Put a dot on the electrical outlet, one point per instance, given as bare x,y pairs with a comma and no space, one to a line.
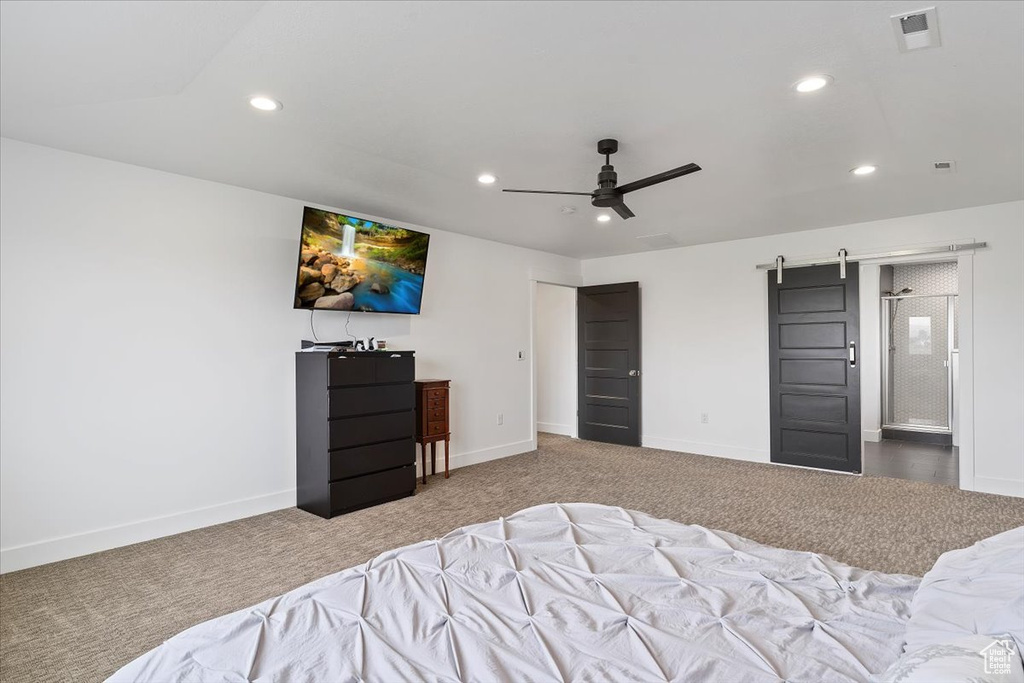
501,419
704,419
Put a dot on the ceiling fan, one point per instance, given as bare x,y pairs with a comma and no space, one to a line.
607,195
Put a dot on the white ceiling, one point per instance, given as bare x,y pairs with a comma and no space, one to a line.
394,108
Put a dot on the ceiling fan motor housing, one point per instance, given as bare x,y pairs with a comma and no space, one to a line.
606,196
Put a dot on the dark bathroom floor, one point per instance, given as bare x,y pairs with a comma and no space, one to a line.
914,461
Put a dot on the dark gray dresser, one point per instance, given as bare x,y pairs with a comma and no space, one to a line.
355,421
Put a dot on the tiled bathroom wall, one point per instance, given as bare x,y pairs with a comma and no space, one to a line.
918,386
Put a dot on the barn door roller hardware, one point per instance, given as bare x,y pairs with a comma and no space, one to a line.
842,256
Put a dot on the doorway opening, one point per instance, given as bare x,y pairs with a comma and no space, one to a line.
919,374
555,359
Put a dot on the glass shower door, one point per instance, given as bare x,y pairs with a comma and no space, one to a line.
920,341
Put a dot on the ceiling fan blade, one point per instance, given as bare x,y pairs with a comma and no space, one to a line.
658,178
623,211
582,194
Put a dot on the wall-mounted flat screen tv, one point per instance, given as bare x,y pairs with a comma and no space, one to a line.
353,264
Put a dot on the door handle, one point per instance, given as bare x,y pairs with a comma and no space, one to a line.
634,373
853,354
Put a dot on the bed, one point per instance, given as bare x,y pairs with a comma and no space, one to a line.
561,592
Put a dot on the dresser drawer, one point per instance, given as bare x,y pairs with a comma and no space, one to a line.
435,404
372,368
349,370
353,462
395,368
371,488
358,431
437,394
373,399
435,428
437,414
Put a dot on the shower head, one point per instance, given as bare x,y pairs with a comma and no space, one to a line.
905,290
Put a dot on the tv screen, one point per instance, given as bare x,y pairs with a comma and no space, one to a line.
352,264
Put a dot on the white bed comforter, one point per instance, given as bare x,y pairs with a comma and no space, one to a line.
561,592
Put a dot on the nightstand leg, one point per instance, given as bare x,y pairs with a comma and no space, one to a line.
433,457
423,457
446,458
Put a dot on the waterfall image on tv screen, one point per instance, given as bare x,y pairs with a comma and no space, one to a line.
353,264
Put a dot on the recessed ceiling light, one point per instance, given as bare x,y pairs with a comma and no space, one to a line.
486,179
265,103
603,217
864,170
812,83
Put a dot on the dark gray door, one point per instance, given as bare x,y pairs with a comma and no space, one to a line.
814,346
609,363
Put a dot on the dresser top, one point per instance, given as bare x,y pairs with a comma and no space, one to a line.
433,381
353,352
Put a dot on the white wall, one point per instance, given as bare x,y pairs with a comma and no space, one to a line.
705,333
555,357
147,334
146,350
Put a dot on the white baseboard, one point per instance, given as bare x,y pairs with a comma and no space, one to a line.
553,428
697,448
1001,487
63,548
66,547
476,457
873,435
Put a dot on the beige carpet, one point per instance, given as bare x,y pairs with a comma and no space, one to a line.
82,619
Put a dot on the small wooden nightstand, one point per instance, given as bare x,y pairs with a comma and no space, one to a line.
432,424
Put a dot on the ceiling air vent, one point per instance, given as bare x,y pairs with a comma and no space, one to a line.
917,30
659,241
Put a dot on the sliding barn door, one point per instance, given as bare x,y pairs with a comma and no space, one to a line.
609,363
814,346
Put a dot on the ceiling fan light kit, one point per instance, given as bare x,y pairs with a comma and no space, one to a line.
608,194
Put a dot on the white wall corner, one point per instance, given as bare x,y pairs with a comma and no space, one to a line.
552,428
873,435
557,277
76,545
965,421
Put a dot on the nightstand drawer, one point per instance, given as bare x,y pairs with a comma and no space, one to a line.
357,431
435,428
